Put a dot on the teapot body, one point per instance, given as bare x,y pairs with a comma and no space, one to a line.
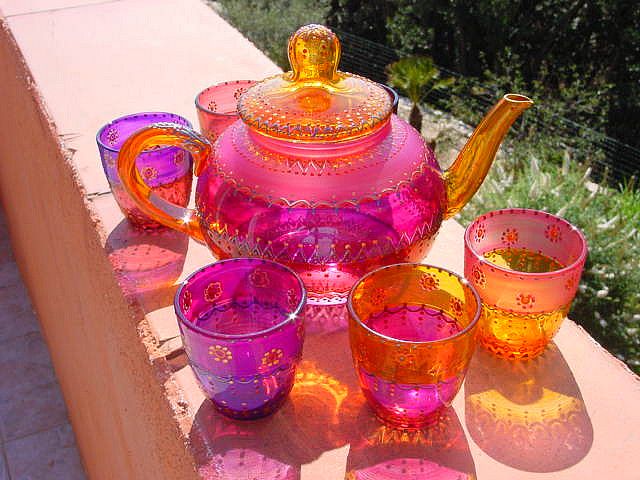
330,211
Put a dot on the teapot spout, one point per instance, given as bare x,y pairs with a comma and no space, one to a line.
467,173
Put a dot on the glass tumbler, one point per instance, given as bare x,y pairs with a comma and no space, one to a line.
526,266
166,170
242,328
412,334
218,106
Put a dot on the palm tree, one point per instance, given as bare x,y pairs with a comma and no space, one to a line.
415,77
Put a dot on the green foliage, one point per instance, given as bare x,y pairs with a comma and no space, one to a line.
364,18
269,23
608,302
464,102
553,42
416,77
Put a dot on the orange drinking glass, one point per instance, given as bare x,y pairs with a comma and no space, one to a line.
412,333
526,266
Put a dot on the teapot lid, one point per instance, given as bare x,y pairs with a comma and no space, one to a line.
315,101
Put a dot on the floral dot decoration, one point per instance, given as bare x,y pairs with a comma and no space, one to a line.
456,307
553,233
178,158
510,236
220,353
259,278
186,300
478,277
481,232
149,173
428,282
525,300
112,136
292,298
239,92
213,291
272,357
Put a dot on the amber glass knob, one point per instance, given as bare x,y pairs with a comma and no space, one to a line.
314,54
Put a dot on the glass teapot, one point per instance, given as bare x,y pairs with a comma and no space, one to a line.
319,174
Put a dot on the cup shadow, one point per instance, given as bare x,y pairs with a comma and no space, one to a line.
317,417
324,411
528,415
439,452
147,262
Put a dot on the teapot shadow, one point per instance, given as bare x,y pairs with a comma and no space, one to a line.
147,262
528,415
325,318
439,452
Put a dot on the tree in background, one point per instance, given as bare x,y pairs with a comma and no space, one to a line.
554,44
415,77
269,23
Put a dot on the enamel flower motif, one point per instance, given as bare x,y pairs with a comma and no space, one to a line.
428,282
149,173
220,353
510,236
553,233
259,278
186,300
478,277
272,357
213,291
525,300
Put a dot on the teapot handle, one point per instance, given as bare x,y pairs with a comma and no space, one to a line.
163,134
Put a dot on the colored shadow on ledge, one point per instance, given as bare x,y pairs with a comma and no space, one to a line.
439,452
326,411
147,262
528,415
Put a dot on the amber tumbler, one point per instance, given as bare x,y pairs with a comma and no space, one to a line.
526,266
412,333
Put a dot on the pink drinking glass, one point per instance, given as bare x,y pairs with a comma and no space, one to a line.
412,334
526,266
242,328
218,106
166,170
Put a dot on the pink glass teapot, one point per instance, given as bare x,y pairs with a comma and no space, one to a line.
318,174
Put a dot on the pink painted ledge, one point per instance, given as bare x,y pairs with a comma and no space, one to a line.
571,414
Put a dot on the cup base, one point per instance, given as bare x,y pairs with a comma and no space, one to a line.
518,336
254,414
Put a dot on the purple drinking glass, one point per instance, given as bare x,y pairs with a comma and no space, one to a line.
242,328
412,334
218,106
166,170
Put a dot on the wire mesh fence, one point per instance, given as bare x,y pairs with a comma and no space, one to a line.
613,159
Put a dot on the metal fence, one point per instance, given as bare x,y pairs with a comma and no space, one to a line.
619,160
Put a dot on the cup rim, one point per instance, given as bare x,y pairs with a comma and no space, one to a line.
217,85
225,336
461,279
539,275
101,144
